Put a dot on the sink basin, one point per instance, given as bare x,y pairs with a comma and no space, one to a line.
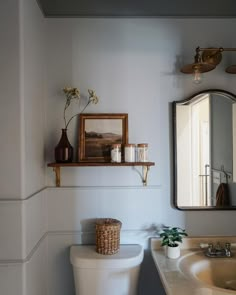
214,272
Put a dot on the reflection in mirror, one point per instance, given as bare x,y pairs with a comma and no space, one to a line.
204,144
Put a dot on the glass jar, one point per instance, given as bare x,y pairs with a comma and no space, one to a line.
142,152
130,152
116,153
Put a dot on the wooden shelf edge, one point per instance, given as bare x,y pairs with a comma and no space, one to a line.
99,164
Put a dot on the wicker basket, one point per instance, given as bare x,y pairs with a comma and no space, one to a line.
108,236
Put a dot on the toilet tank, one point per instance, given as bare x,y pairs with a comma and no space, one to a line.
97,274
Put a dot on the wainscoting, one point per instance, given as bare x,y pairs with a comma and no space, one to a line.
35,245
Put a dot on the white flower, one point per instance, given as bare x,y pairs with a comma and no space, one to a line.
92,96
74,93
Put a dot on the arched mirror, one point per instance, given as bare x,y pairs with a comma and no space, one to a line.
204,129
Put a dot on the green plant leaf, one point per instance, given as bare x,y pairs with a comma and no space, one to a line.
172,236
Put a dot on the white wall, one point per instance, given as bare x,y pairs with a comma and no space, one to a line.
10,115
22,173
133,64
33,105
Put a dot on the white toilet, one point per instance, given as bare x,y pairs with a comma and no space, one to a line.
97,274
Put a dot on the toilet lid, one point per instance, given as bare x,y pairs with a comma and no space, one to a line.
85,256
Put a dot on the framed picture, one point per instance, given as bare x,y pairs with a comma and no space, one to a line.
97,132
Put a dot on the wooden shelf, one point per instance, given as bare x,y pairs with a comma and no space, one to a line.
84,164
57,166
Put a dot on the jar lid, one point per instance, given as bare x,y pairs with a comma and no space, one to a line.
130,145
143,145
116,145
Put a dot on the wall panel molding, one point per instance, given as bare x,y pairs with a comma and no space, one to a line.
22,225
141,237
22,199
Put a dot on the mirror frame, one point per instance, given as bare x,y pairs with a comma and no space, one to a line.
192,98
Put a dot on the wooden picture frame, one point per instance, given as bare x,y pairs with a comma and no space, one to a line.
97,132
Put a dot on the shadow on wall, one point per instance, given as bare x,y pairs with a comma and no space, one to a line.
88,231
149,281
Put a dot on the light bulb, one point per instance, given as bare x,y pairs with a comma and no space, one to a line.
197,76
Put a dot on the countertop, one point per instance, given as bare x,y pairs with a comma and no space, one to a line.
173,280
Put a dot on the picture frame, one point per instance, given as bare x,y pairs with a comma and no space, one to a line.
97,132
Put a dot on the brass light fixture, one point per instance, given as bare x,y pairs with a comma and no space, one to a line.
205,60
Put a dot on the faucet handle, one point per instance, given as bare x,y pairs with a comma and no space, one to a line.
204,245
210,248
228,252
227,246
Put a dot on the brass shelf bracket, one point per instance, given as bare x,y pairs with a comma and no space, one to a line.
57,171
145,170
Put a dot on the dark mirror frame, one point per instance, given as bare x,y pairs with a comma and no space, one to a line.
192,98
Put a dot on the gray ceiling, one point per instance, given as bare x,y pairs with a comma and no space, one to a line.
138,8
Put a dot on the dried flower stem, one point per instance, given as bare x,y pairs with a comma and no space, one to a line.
74,93
65,117
76,114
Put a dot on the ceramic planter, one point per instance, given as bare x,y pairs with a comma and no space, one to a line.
173,252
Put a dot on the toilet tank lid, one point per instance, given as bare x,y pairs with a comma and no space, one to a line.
85,256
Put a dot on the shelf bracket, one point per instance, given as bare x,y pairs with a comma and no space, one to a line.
145,170
57,171
136,165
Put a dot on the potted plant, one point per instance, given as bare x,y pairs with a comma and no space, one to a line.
171,238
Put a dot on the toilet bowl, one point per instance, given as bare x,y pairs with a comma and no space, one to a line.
97,274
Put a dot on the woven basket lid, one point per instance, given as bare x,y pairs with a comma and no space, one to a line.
108,221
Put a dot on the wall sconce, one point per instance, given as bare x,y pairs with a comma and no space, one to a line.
205,60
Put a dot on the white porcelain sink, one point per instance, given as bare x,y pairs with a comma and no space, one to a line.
214,272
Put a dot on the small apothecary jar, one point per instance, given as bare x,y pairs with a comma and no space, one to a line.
142,152
116,153
129,152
